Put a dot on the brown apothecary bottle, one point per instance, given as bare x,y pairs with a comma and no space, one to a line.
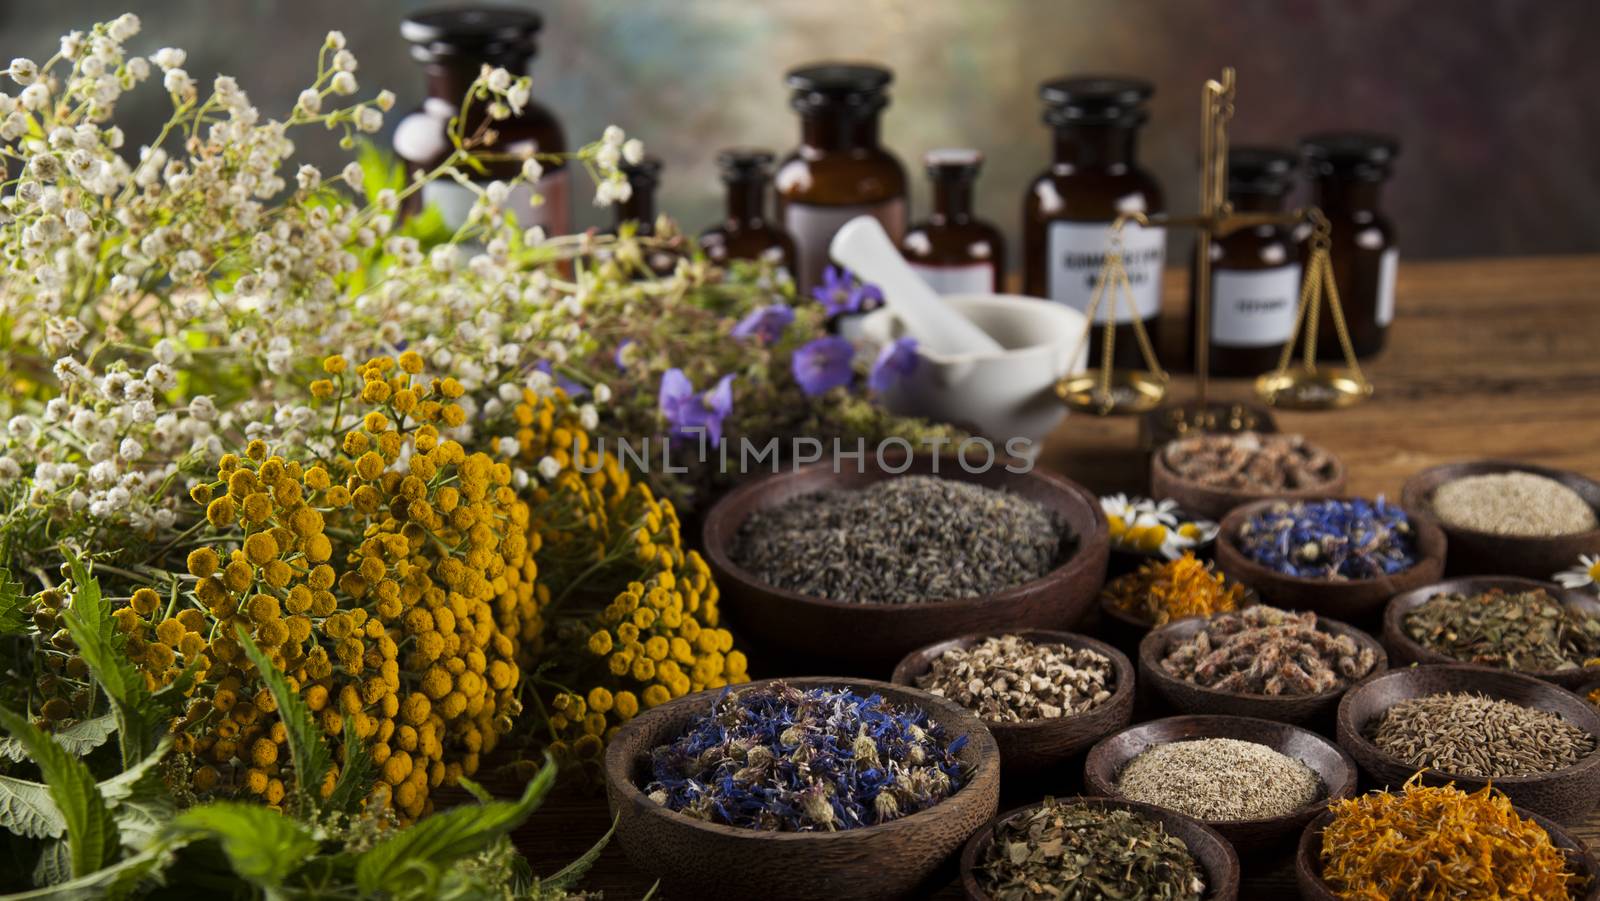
953,250
746,231
453,45
644,178
1347,171
840,170
1255,271
1068,210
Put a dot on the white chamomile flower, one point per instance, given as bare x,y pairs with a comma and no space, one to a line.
1585,574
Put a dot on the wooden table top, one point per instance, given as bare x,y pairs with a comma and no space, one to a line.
1486,358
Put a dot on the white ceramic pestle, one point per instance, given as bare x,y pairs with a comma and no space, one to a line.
863,247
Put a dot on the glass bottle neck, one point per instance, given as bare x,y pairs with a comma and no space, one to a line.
747,201
836,130
640,207
1347,194
1095,146
952,200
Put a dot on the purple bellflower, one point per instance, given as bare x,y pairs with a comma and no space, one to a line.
897,360
690,413
767,323
823,364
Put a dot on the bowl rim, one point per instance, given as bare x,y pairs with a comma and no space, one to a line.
1413,496
1341,473
1240,514
1147,655
980,739
984,836
1121,666
1399,606
1356,735
1221,721
1081,558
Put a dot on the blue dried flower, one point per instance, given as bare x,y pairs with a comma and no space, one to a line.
1334,539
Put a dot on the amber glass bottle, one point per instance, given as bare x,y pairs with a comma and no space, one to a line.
1347,171
1068,210
453,45
1255,271
644,177
747,232
954,251
840,170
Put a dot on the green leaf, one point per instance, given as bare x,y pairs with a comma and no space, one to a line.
138,730
140,799
54,865
445,838
91,831
87,602
117,881
26,809
306,747
354,774
569,875
477,791
13,618
263,846
379,170
79,738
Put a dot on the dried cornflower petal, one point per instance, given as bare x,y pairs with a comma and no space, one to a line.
1475,735
1524,630
1161,592
1009,679
1334,539
1073,851
1251,461
1262,650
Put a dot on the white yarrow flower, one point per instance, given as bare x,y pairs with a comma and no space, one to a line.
310,101
353,176
343,83
633,151
23,71
549,468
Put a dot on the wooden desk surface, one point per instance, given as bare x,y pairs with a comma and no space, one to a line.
1486,358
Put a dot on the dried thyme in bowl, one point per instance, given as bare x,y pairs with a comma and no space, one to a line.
1073,851
1262,650
1220,779
1470,734
904,540
1009,679
1524,630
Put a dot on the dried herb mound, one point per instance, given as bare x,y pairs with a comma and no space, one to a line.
1476,735
1262,650
1441,843
1250,461
1009,679
1524,630
1513,503
1220,779
1336,540
1070,851
1161,592
902,541
781,759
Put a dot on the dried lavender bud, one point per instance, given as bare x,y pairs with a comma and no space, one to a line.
1250,461
1009,679
1525,630
1070,851
902,541
777,758
1262,650
1475,735
1513,503
1334,540
1220,779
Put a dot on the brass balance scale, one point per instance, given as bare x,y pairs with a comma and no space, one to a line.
1111,391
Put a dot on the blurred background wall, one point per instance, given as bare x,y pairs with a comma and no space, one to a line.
1494,100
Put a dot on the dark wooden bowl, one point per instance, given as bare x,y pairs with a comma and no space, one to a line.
695,859
1355,600
1403,649
855,637
1211,851
1566,795
1308,859
1299,710
1215,503
1029,749
1484,553
1332,765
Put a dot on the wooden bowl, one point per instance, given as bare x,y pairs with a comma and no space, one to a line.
1566,795
1403,649
1032,748
1355,600
1213,853
1484,553
1332,765
696,859
857,637
1308,859
1300,710
1215,503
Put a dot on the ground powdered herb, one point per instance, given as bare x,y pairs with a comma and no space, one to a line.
1262,650
1465,734
1220,779
1071,851
1513,503
1335,540
902,541
1009,679
1173,589
1251,461
1434,844
1523,630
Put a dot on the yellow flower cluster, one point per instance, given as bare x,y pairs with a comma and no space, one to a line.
390,582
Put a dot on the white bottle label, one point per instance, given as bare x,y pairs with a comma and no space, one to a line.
965,278
1388,265
455,202
1077,253
1254,309
813,226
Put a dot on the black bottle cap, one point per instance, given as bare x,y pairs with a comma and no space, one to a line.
643,175
1095,100
952,163
744,163
1260,170
839,85
489,33
1363,155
